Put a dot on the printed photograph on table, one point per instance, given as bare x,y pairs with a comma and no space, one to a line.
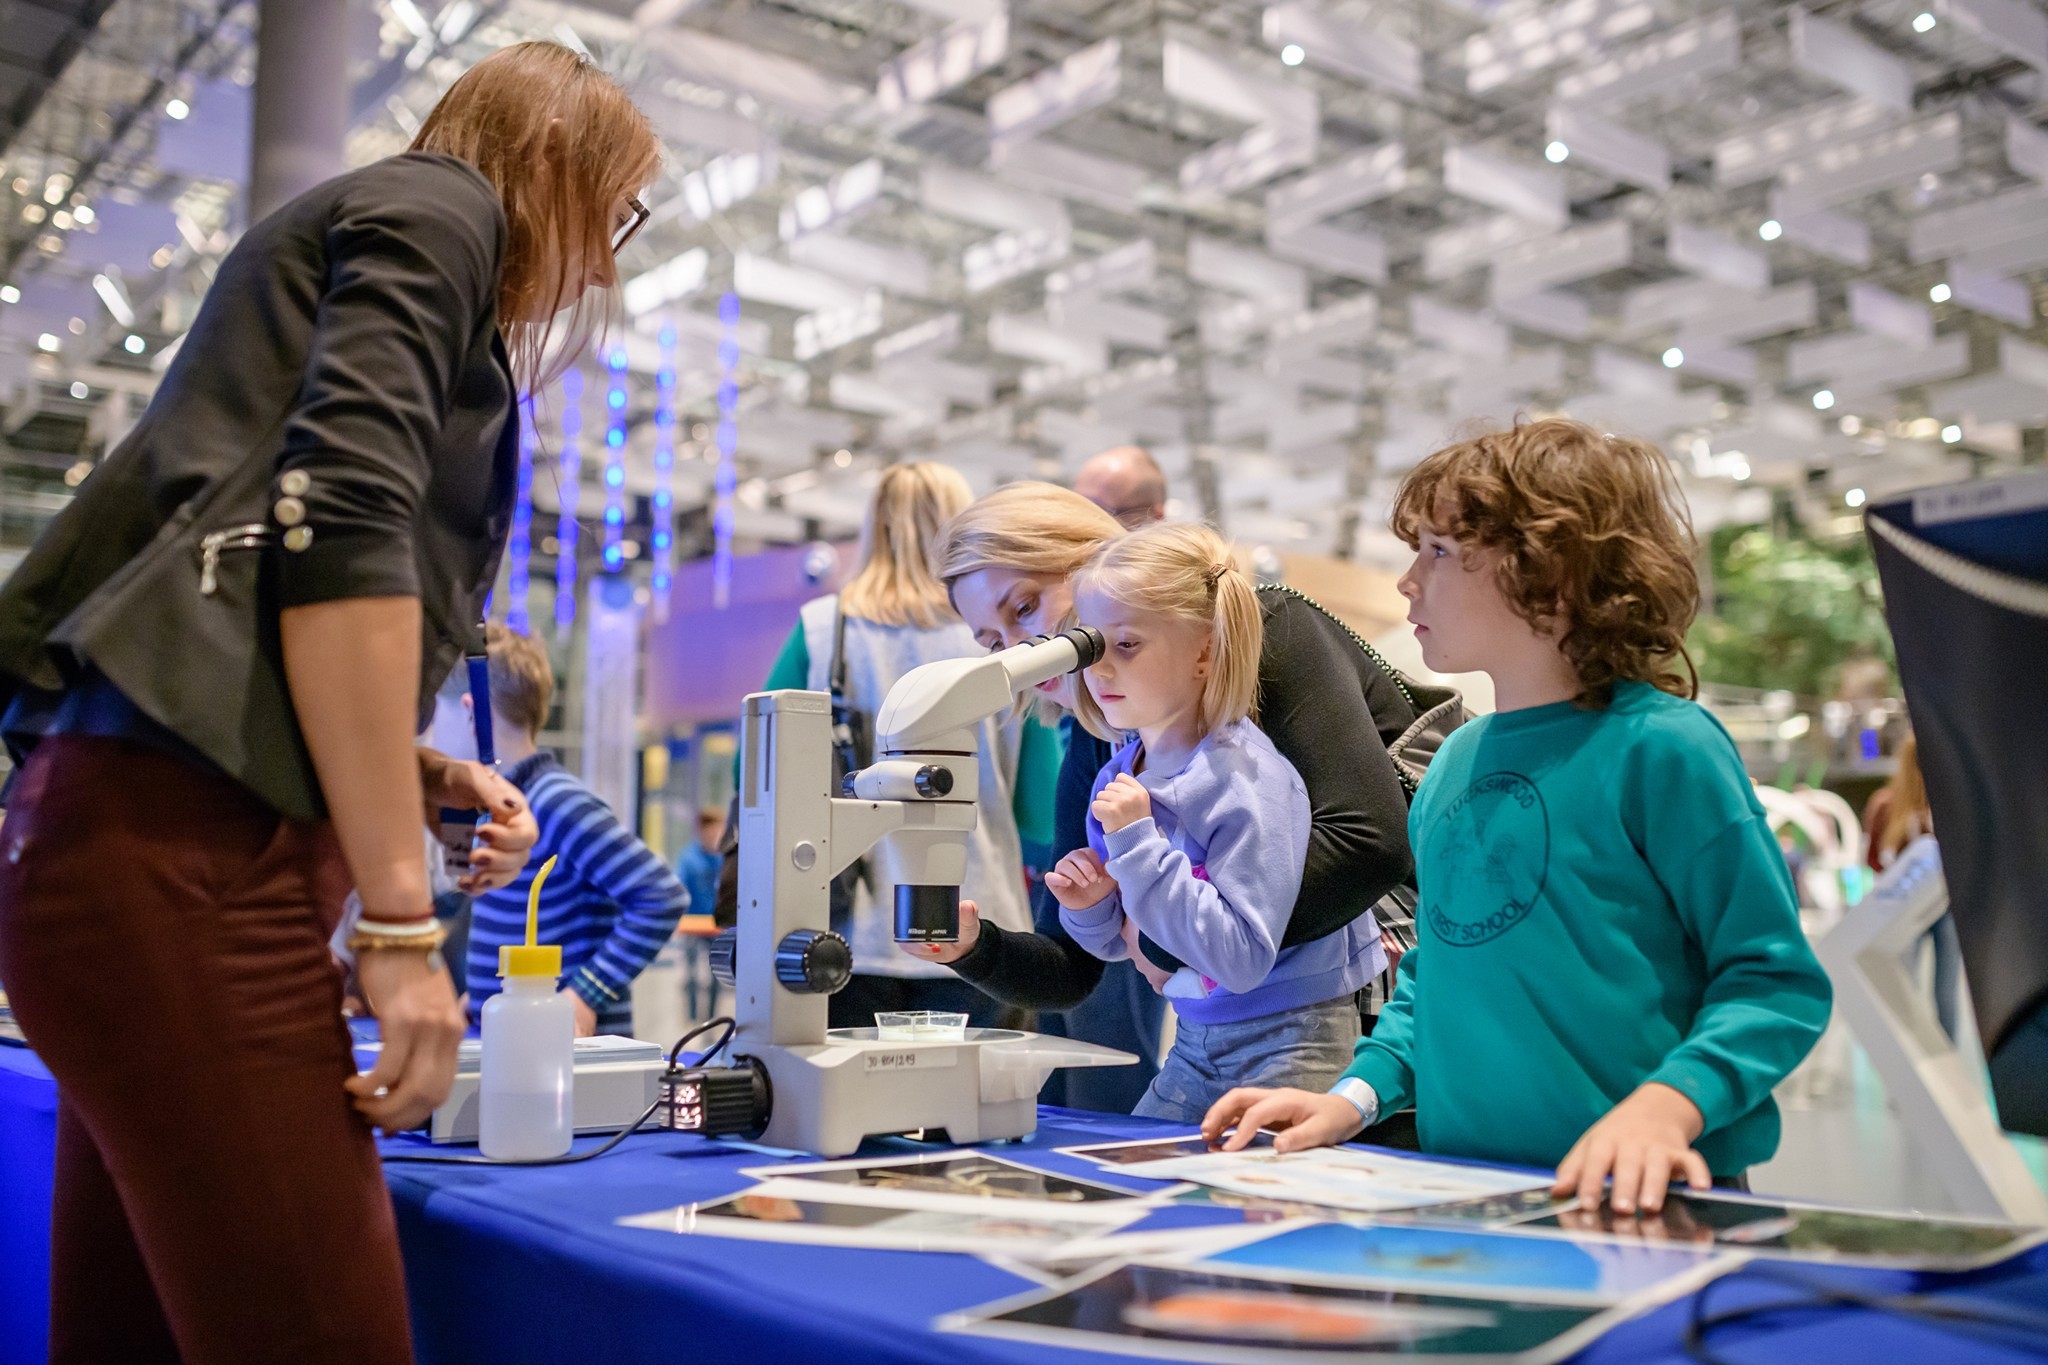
1344,1177
1194,1314
1791,1231
1410,1256
788,1211
966,1174
1143,1150
1493,1210
1259,1208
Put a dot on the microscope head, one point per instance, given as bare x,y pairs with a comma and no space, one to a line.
936,701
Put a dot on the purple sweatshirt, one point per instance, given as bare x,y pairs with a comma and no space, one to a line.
1212,877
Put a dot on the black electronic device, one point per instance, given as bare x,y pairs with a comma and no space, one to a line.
1965,574
716,1101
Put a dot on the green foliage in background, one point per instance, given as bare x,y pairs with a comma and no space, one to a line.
1788,611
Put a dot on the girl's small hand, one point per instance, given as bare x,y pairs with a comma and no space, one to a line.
1123,802
1080,881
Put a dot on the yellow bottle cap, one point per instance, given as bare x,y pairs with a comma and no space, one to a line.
531,958
515,959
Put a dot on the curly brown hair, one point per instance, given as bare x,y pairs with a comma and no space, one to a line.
1594,537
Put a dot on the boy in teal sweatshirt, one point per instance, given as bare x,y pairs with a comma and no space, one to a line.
1610,976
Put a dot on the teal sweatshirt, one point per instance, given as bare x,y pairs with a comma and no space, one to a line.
1602,904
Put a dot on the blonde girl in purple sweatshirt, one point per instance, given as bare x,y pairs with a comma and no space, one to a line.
1199,828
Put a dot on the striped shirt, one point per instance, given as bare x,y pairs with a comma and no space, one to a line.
610,903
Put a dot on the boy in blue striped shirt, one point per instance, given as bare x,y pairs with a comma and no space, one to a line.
610,903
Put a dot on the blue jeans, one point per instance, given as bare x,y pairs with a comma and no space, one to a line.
1307,1047
1123,1012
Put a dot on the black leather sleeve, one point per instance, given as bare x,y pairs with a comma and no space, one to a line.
1329,711
1046,970
412,272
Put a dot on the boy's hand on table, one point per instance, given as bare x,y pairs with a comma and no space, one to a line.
1080,882
945,954
1642,1142
1303,1119
1123,802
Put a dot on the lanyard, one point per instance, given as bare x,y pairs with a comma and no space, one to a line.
480,708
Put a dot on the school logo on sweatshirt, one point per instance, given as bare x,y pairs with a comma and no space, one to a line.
1485,860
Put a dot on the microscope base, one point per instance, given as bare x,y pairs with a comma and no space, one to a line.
830,1096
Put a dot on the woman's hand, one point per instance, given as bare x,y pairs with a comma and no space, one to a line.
1303,1118
1157,976
421,1025
506,837
948,953
1080,882
1123,802
1643,1142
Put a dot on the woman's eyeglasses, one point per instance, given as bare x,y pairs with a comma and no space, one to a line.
625,232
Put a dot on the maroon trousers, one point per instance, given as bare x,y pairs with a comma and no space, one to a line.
163,940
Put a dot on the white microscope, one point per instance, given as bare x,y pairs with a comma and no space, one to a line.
825,1090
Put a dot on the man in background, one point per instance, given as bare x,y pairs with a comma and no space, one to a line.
698,864
1127,483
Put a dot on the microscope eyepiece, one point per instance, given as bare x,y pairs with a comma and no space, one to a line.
1088,643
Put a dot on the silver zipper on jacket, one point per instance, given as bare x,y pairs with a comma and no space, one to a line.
252,536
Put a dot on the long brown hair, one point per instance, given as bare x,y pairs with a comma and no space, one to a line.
564,145
1595,540
895,584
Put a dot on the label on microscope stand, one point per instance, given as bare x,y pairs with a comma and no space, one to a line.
910,1059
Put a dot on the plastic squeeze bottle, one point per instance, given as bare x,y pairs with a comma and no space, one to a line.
527,1090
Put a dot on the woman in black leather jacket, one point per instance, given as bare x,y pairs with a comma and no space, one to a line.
212,665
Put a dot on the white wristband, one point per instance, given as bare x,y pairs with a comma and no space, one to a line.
1359,1096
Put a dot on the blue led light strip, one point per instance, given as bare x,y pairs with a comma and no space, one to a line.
615,464
665,472
519,554
571,464
728,443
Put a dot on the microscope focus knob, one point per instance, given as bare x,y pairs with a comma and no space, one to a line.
724,945
813,962
933,781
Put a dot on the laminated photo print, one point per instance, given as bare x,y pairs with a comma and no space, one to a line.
971,1175
1765,1227
1461,1260
1198,1313
1142,1150
794,1211
1357,1178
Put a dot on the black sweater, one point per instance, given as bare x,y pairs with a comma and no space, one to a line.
1331,711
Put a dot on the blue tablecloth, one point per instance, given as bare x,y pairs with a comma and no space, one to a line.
527,1265
28,1149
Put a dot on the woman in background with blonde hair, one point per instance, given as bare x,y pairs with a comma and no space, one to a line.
892,616
213,664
